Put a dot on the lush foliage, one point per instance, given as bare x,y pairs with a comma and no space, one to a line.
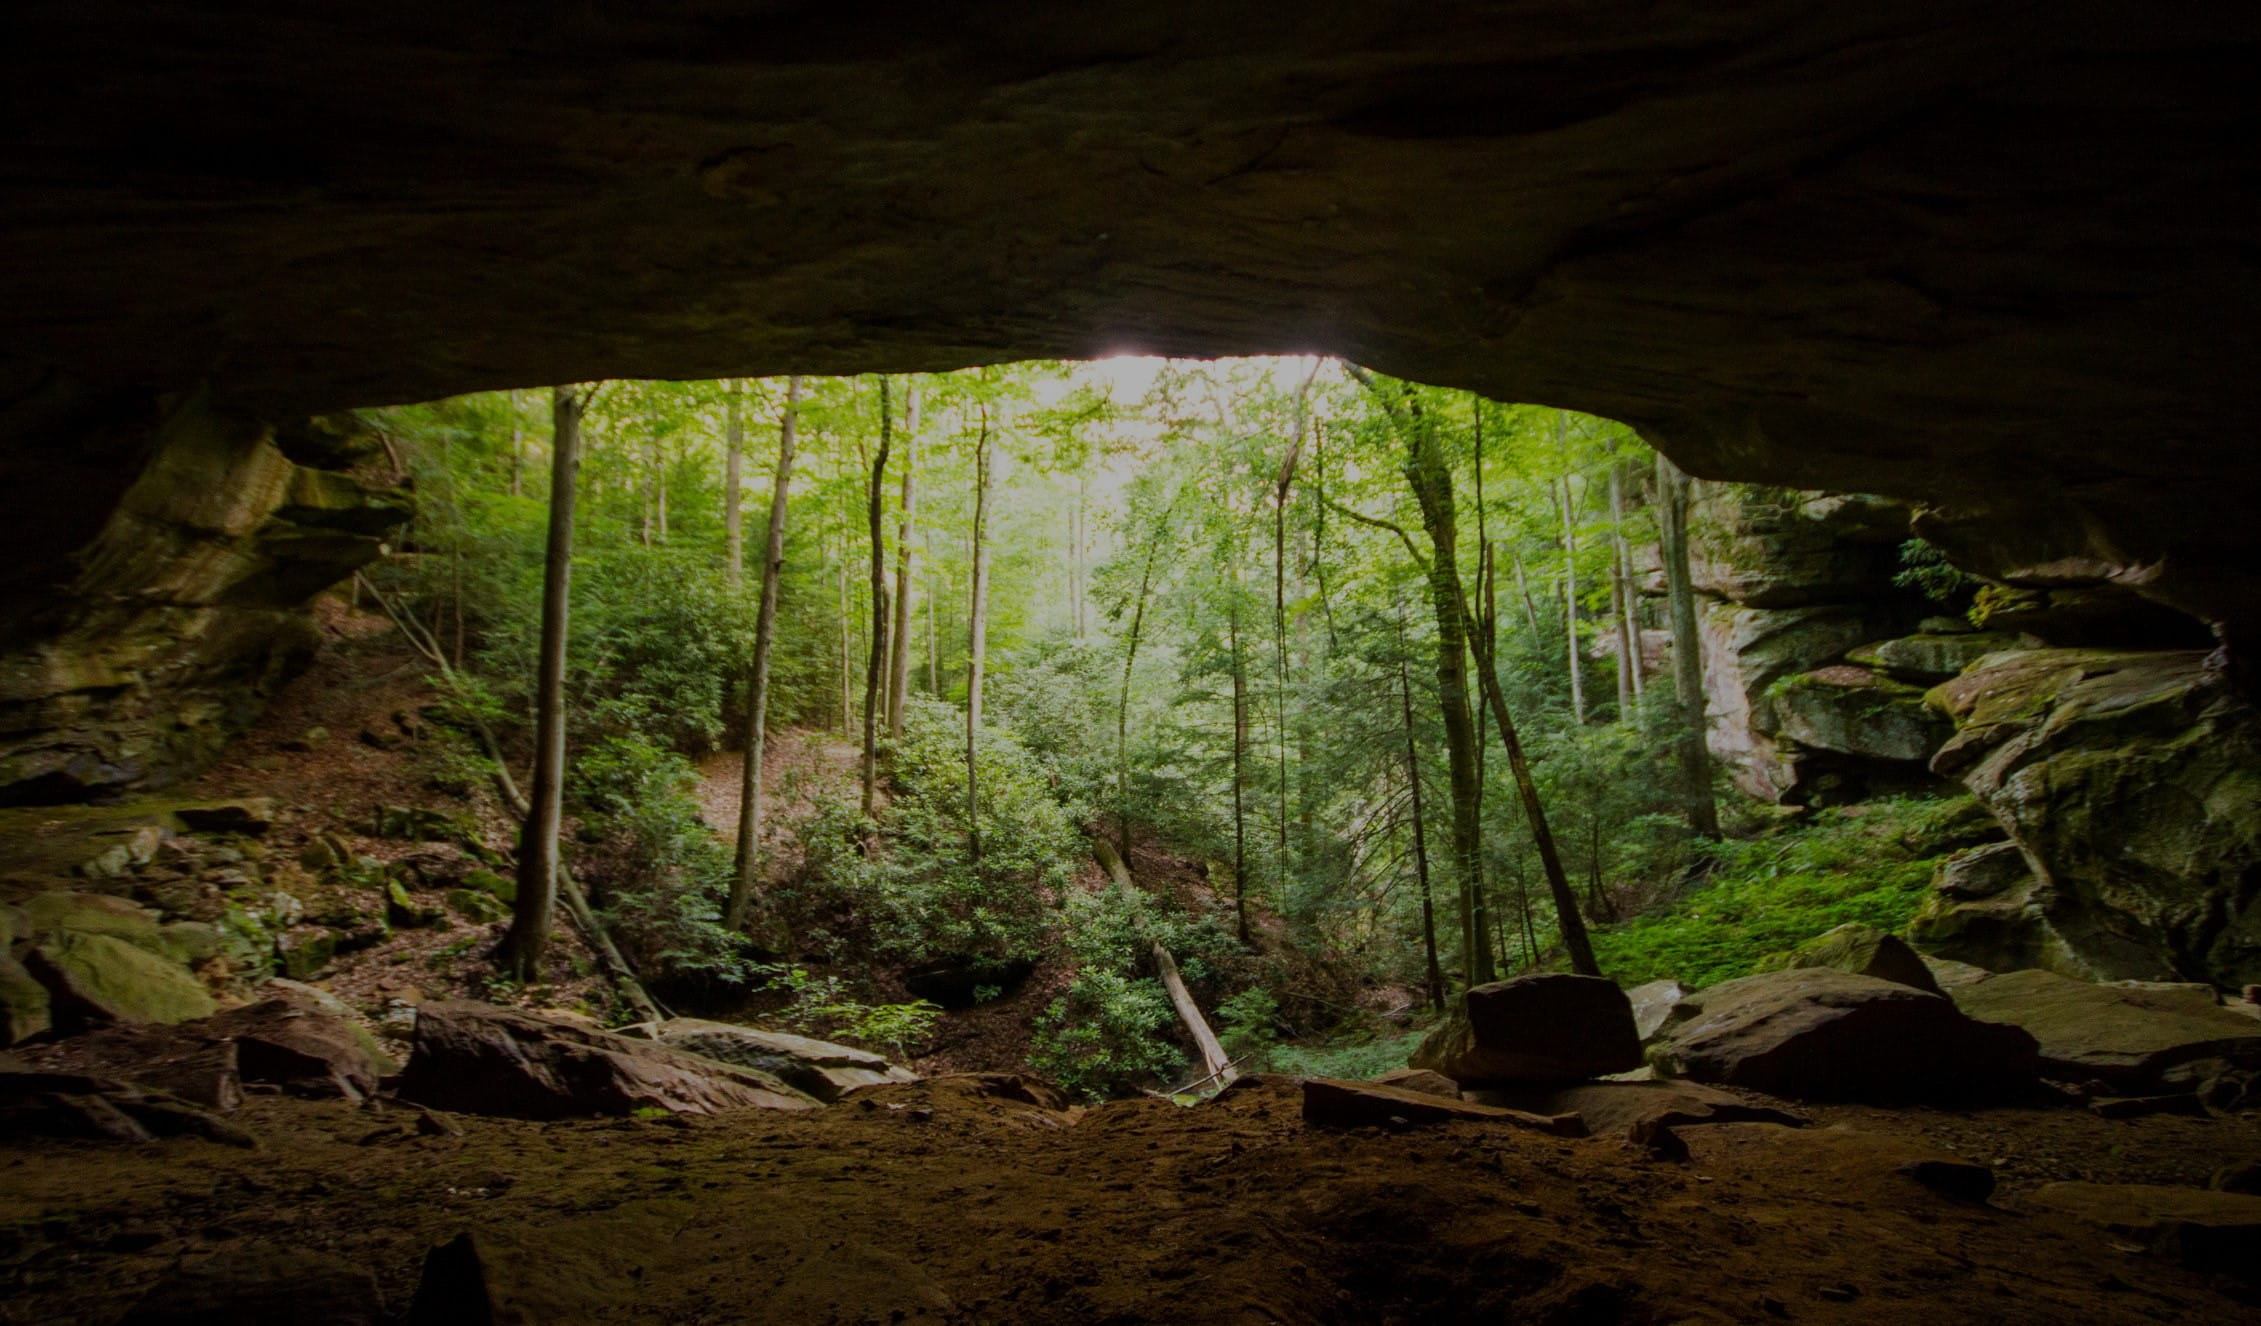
1869,863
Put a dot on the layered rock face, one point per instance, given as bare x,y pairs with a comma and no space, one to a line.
134,653
2130,783
1814,686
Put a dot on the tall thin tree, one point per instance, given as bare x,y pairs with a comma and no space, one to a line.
520,954
899,651
1687,649
1436,979
747,860
733,479
977,631
876,665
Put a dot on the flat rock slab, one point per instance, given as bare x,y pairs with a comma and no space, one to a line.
1333,1103
2203,1229
480,1059
1635,1109
821,1068
1423,1080
1820,1034
2127,1036
1551,1028
290,1043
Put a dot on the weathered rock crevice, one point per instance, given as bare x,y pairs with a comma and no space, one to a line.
136,652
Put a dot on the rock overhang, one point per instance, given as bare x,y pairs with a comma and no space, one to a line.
1993,258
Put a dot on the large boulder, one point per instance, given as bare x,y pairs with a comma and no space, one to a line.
290,1042
820,1068
2131,782
1820,1034
1862,950
1846,710
2129,1037
1550,1028
96,978
480,1059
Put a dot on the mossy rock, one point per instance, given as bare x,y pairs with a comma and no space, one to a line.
25,1009
100,978
418,824
403,911
492,882
1860,949
302,958
476,906
247,941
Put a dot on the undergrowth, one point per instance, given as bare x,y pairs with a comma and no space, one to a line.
1870,863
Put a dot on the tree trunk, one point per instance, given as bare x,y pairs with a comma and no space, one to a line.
1280,490
747,861
875,664
933,635
1687,649
1122,701
1215,1066
1240,778
977,632
733,477
1431,479
1623,597
1570,580
517,448
520,955
899,653
1573,925
1420,833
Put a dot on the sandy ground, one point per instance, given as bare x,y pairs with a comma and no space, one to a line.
933,1203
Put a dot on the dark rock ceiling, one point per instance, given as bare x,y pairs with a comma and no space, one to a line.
2000,256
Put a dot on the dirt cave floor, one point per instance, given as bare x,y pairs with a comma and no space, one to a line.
943,1202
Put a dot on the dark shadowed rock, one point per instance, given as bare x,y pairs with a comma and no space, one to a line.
176,1060
273,1286
479,1059
2127,1036
301,1049
45,1104
1551,1028
1419,1079
1820,1034
820,1068
2203,1229
1333,1103
498,1278
247,815
1862,950
25,1009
